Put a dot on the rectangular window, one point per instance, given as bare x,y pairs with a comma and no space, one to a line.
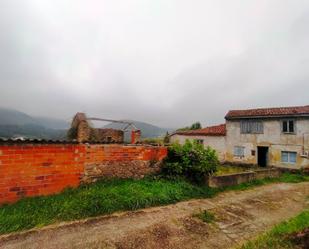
288,157
292,157
251,127
199,141
288,126
239,151
284,157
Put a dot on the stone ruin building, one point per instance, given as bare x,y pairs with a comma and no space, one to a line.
82,131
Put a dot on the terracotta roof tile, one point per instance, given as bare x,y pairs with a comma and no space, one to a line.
269,112
217,130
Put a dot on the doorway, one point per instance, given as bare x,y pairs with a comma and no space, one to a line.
262,156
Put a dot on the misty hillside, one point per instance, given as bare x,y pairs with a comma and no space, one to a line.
148,130
13,117
53,123
14,123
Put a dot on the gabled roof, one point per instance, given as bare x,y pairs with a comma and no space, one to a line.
217,130
80,116
269,112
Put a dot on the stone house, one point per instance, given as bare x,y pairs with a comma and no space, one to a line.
84,132
265,137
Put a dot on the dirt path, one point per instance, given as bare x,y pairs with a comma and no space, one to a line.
239,216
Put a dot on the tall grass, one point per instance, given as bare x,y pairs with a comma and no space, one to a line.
108,196
103,197
279,236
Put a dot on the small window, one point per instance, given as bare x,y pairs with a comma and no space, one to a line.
239,151
288,157
288,126
199,141
255,127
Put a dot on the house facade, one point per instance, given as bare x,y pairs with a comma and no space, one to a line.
213,136
269,136
265,137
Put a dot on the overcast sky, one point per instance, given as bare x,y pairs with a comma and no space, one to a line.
167,62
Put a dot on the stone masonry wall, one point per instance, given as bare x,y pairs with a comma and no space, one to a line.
242,177
121,161
82,130
42,169
109,135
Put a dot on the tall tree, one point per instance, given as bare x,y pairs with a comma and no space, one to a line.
195,126
166,139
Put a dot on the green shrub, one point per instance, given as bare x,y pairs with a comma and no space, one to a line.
190,160
157,140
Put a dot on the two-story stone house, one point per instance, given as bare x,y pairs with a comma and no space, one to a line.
269,136
266,137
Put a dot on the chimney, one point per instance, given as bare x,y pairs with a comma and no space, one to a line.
135,136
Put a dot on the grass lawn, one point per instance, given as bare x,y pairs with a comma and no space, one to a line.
281,236
108,196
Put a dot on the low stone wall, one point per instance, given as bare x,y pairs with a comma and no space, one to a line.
243,177
267,173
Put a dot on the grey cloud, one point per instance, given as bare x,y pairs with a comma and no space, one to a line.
166,62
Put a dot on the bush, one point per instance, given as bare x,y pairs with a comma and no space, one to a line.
153,141
190,160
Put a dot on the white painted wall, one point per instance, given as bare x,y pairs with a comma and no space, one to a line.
215,142
273,138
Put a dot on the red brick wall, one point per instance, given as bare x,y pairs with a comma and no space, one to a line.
43,169
30,170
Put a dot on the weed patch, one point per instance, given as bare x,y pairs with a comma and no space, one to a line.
286,235
205,216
